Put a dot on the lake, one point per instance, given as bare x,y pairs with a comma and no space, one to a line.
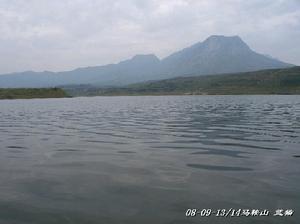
148,159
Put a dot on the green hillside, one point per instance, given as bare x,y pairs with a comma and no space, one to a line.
274,81
32,93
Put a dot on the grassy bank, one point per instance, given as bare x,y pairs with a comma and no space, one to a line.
30,93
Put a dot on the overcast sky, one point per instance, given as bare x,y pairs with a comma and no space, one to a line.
61,35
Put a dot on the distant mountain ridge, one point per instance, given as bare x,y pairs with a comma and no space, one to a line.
271,81
215,55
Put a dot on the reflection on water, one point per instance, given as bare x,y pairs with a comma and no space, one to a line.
148,159
221,168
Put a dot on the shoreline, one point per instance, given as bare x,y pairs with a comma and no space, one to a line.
152,95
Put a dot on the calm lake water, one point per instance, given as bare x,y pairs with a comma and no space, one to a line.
148,159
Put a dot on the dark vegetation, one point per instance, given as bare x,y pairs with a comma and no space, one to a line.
25,93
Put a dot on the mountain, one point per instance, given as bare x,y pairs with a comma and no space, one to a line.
137,69
217,54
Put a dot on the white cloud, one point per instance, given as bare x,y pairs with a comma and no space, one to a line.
62,35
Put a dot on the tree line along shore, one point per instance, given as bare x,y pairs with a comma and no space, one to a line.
30,93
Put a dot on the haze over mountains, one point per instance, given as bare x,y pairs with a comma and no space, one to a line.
215,55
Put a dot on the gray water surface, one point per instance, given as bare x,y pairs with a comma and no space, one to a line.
148,159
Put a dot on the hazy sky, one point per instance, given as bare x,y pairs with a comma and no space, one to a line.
62,35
